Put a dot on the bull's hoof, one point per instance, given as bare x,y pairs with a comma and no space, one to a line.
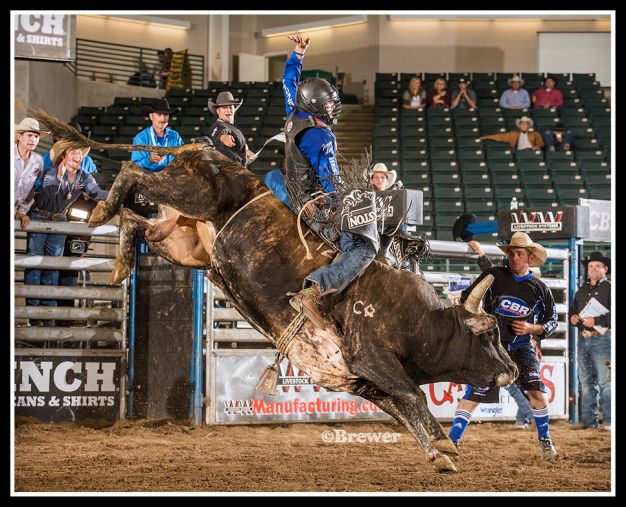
447,447
443,464
120,273
99,215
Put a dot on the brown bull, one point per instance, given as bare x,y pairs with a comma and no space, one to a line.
406,337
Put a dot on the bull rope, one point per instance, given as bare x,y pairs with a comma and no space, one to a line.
239,211
308,255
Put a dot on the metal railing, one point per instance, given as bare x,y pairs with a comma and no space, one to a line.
121,63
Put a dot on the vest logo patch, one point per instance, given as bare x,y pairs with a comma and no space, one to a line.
289,126
513,308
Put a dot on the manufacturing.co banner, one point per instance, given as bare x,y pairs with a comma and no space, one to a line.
45,36
299,399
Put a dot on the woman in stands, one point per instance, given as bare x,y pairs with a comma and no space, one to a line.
438,96
414,97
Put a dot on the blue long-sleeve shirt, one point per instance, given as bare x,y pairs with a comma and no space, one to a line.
515,98
148,136
318,145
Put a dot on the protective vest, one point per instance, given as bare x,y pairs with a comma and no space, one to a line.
297,168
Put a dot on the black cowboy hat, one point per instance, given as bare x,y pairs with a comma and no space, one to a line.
224,99
160,106
598,257
458,229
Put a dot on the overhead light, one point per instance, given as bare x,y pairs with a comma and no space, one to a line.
148,20
314,25
495,16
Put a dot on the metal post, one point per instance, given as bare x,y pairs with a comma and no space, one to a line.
132,312
196,355
573,247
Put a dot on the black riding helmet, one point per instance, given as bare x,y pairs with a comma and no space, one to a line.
312,95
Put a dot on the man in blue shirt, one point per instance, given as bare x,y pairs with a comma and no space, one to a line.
157,134
516,97
311,166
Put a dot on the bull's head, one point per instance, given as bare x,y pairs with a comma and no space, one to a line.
466,343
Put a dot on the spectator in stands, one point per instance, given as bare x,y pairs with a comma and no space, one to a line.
463,97
594,347
548,96
438,95
28,166
524,414
382,178
414,97
143,77
63,183
227,138
558,139
523,139
516,97
157,134
162,68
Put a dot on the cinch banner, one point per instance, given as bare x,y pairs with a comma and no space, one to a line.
66,388
45,36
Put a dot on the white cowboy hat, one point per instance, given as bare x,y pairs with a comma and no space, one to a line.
30,125
522,240
382,168
516,78
530,121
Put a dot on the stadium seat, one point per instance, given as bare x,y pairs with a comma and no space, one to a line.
528,155
561,179
600,192
446,178
470,178
443,154
481,191
471,155
506,178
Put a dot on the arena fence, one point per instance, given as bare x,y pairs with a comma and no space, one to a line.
77,370
116,63
236,355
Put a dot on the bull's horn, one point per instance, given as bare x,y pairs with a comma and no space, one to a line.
472,303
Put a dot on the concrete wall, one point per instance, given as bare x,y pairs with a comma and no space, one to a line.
97,94
45,85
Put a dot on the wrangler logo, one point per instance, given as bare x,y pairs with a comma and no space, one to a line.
536,221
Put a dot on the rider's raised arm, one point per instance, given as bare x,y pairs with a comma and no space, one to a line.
293,70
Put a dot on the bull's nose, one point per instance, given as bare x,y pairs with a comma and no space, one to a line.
503,380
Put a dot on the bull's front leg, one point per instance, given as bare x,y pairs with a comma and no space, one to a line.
440,439
396,394
125,182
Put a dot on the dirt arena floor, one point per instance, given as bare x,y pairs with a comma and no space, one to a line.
165,456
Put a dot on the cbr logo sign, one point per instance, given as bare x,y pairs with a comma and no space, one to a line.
536,221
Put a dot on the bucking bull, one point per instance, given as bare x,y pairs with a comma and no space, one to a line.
387,333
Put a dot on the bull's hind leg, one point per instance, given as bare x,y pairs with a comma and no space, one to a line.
125,182
131,226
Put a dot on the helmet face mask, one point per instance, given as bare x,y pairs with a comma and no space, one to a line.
317,96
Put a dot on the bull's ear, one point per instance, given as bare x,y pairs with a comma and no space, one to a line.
478,324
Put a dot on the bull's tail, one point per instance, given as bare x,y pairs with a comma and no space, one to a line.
61,130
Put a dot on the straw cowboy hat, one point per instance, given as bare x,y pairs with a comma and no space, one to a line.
224,99
60,147
160,106
30,125
598,257
382,168
530,121
522,240
516,78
